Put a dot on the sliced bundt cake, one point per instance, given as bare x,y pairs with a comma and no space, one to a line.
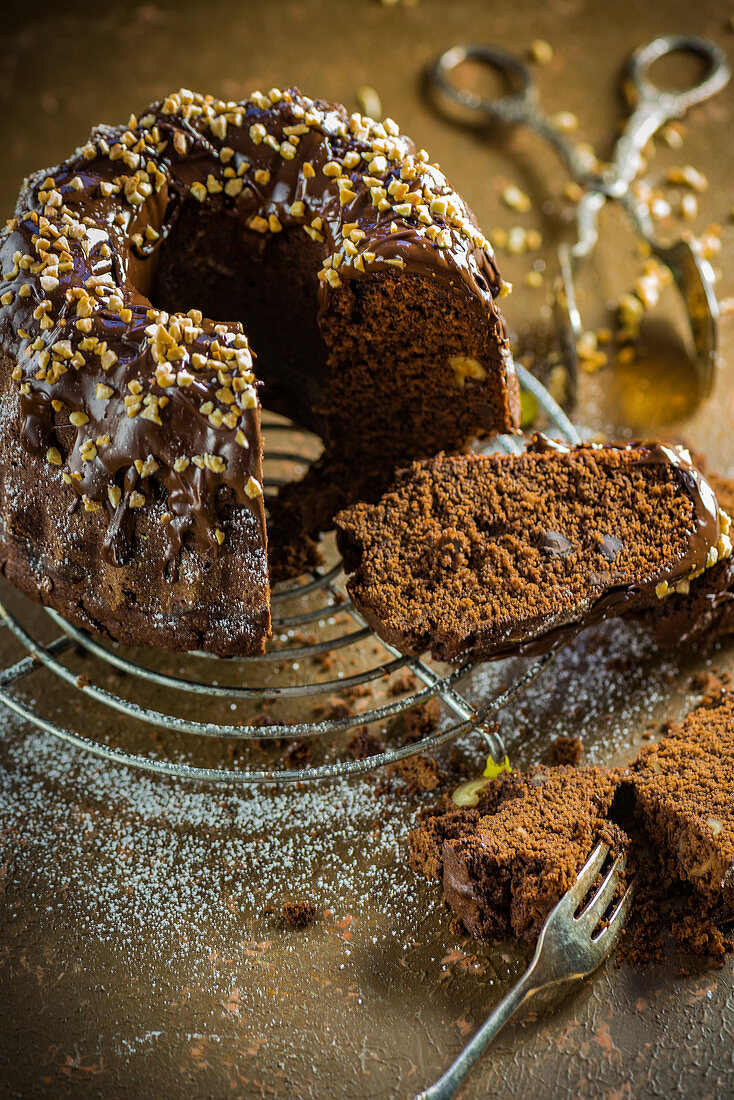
131,482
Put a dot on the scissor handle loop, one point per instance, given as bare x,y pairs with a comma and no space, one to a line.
676,103
469,107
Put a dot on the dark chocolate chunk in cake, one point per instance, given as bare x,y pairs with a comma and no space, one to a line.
483,555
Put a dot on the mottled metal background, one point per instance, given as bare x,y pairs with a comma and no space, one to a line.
138,956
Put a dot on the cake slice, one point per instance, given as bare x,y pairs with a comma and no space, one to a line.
684,797
506,863
484,555
507,849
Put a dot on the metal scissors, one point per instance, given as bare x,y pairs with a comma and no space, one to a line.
654,107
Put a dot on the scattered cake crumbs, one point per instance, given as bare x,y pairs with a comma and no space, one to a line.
708,685
404,681
418,774
297,754
417,722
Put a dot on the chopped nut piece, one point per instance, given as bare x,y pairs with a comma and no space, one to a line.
516,199
540,51
672,135
687,176
368,101
465,367
689,207
566,121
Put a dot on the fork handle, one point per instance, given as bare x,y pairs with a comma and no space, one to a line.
446,1086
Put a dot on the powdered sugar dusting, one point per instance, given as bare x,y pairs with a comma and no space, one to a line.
176,866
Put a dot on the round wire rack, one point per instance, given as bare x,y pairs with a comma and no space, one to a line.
281,674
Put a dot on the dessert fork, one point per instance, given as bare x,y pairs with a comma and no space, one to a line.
567,951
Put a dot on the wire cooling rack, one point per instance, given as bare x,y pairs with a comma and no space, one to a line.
289,678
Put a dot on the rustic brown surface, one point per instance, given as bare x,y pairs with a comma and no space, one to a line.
134,956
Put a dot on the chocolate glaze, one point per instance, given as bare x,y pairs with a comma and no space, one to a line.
107,212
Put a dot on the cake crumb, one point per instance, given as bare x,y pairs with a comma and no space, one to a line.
418,773
297,753
566,750
708,685
299,914
418,722
365,743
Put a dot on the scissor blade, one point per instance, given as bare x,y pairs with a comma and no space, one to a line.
695,279
567,318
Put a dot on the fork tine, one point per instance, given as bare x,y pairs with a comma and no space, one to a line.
588,872
598,905
576,893
609,935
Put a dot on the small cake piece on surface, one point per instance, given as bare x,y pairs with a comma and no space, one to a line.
566,750
506,863
684,795
300,913
483,555
507,849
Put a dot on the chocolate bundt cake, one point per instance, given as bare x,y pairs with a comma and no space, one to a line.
135,277
480,556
